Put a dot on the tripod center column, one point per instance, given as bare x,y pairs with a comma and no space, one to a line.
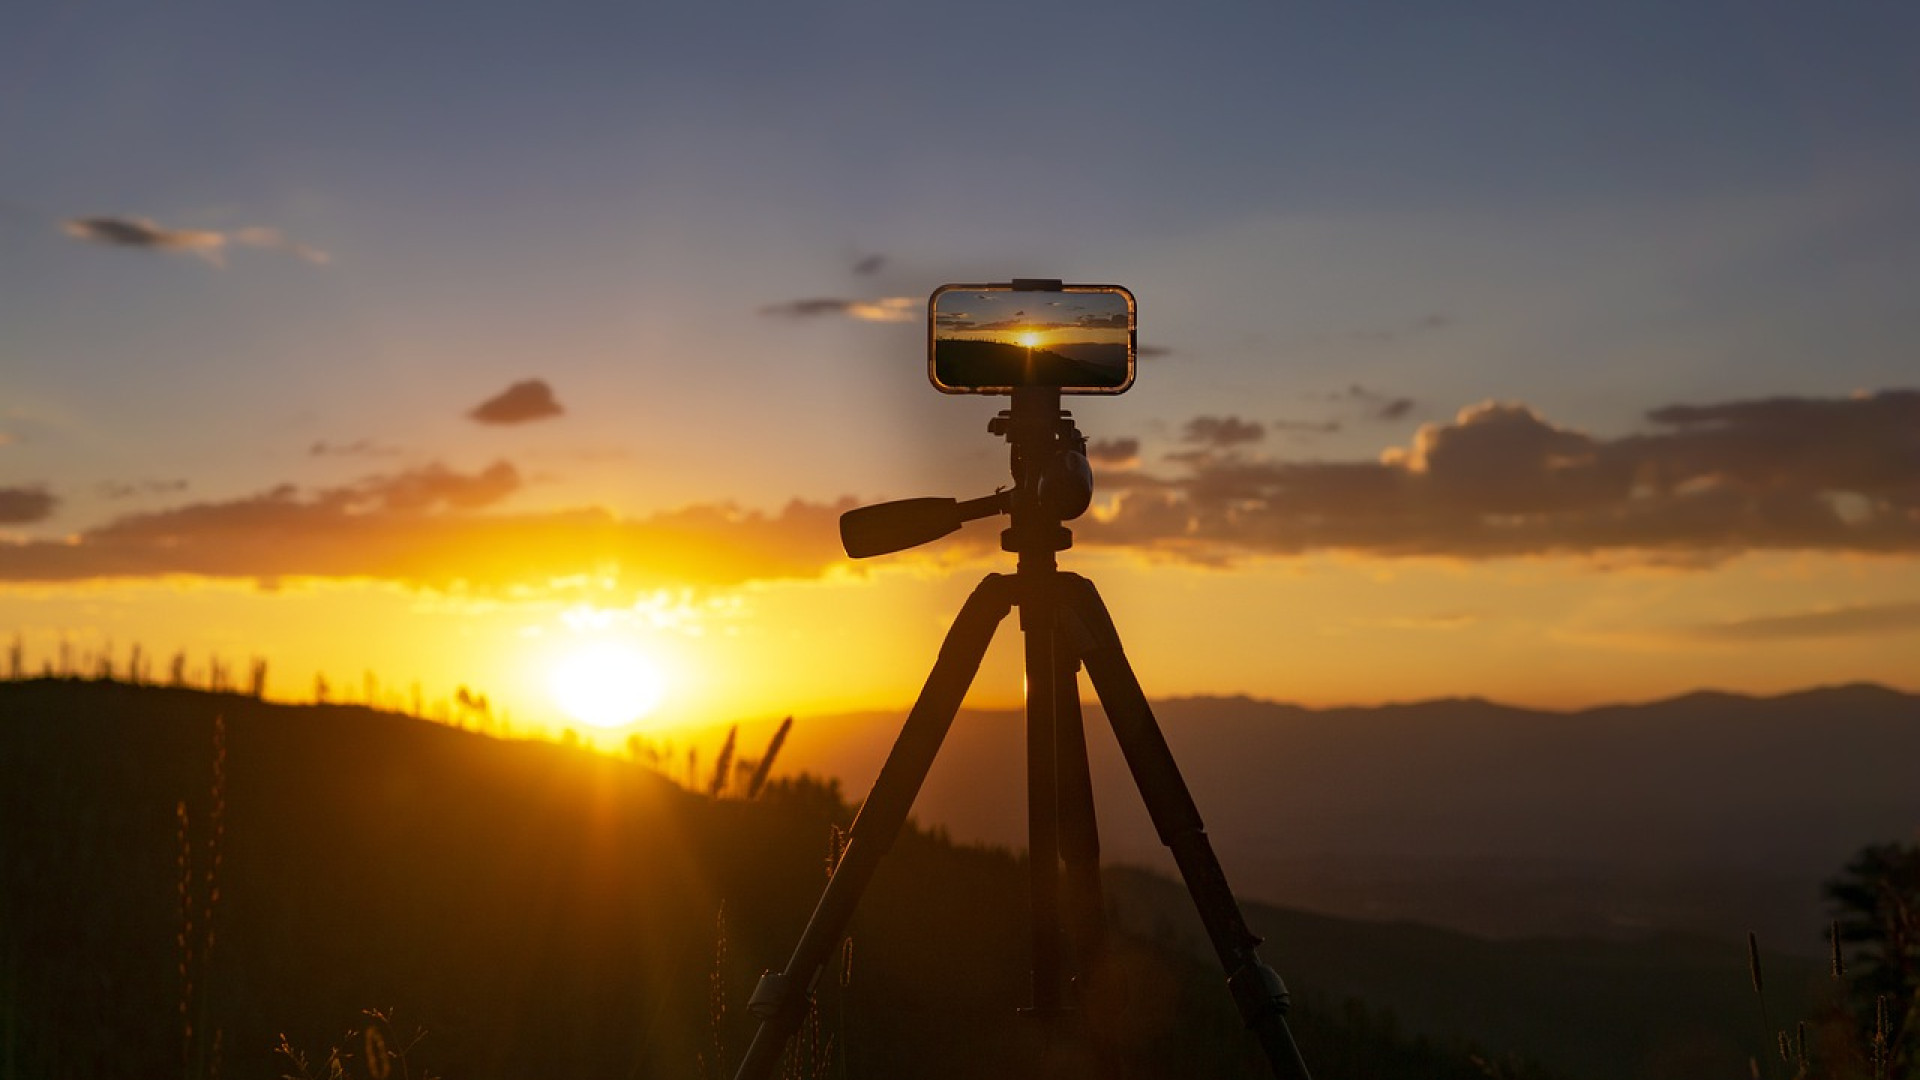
1035,535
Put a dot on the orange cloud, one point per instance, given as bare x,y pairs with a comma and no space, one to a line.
427,527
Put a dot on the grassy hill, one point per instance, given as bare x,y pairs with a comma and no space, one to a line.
184,876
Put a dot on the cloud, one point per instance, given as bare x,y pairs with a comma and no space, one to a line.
135,232
869,265
1701,483
883,309
1222,431
1859,620
523,402
1119,453
25,505
1146,352
357,448
1375,405
436,527
431,487
138,232
1500,480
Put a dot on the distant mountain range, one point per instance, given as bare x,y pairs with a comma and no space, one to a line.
1711,813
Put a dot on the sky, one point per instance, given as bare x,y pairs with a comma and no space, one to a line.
1554,355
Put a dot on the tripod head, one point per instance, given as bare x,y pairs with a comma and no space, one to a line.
1052,483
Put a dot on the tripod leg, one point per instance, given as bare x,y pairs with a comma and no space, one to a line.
1257,990
780,1001
1085,907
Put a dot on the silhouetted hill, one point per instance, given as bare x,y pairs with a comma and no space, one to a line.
1710,813
177,861
1665,1005
960,362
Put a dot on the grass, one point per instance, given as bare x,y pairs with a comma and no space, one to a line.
381,1055
1832,1044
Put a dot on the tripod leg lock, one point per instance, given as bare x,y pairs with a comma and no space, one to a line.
772,1000
1258,992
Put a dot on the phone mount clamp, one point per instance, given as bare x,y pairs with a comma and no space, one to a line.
1065,625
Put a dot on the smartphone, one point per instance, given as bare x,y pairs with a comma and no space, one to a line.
988,339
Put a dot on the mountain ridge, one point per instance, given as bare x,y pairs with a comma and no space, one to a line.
1656,814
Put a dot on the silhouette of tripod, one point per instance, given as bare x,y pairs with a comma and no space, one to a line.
1065,625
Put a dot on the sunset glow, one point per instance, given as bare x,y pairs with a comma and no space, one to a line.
607,684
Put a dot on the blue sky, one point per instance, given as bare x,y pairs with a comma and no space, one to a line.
1340,224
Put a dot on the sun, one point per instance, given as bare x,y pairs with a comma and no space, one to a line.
1030,339
606,684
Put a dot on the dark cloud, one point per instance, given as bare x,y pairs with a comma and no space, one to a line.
1119,453
1222,431
25,505
520,403
365,448
1860,620
869,265
1794,474
1148,351
882,309
432,527
138,232
1375,405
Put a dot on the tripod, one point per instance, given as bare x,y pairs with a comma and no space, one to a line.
1065,625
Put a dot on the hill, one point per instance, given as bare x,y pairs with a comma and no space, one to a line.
964,362
177,888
